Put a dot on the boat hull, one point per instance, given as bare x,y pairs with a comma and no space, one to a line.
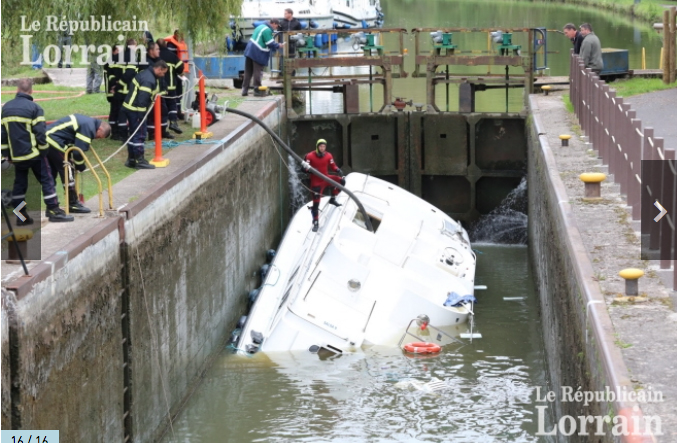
344,287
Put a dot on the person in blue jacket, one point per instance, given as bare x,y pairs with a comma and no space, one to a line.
257,53
74,130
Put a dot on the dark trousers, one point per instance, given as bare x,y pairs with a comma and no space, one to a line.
122,115
251,69
42,172
55,159
172,103
135,145
150,121
114,113
179,93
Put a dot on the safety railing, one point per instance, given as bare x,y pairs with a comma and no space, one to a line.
68,169
622,143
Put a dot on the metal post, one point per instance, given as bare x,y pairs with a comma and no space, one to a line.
625,134
158,161
371,90
203,106
635,154
447,77
507,78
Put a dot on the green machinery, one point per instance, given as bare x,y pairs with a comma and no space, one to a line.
443,41
505,43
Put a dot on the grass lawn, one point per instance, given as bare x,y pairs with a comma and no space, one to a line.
18,71
635,86
86,104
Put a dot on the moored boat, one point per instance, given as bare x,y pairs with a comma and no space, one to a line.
357,13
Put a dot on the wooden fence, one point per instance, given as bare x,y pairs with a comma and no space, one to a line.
622,142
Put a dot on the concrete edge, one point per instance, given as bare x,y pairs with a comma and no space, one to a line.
137,206
22,286
615,368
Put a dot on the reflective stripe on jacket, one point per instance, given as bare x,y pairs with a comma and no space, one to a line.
142,91
181,50
75,130
23,128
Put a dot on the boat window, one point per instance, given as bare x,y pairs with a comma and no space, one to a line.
359,221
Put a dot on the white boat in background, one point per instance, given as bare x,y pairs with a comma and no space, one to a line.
344,286
357,13
311,13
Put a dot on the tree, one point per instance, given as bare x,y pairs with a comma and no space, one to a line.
198,19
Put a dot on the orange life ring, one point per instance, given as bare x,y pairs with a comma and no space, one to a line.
422,348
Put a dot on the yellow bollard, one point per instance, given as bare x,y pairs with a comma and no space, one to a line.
565,139
22,236
643,58
545,89
593,187
631,275
660,60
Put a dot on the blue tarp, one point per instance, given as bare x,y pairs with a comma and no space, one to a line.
453,299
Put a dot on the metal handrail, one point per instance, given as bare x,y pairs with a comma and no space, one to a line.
110,181
89,165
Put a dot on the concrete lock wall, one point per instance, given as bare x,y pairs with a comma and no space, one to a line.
176,266
199,246
577,330
66,347
6,404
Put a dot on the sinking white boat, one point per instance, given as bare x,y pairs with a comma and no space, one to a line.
357,13
344,286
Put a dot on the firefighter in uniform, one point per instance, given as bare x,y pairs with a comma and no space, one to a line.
323,161
171,80
79,131
112,72
128,69
24,144
153,56
142,92
177,45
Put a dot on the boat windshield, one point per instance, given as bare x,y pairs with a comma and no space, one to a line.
453,230
359,221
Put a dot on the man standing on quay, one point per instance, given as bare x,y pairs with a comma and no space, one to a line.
573,35
591,49
257,53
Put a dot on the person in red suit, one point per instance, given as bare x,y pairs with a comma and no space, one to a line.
323,161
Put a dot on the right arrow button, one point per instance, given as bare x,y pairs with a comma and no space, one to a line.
661,214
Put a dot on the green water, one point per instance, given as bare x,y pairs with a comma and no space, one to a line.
614,31
357,398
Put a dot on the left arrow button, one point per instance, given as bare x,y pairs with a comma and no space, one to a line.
18,209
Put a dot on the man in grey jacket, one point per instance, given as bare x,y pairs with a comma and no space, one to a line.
591,49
